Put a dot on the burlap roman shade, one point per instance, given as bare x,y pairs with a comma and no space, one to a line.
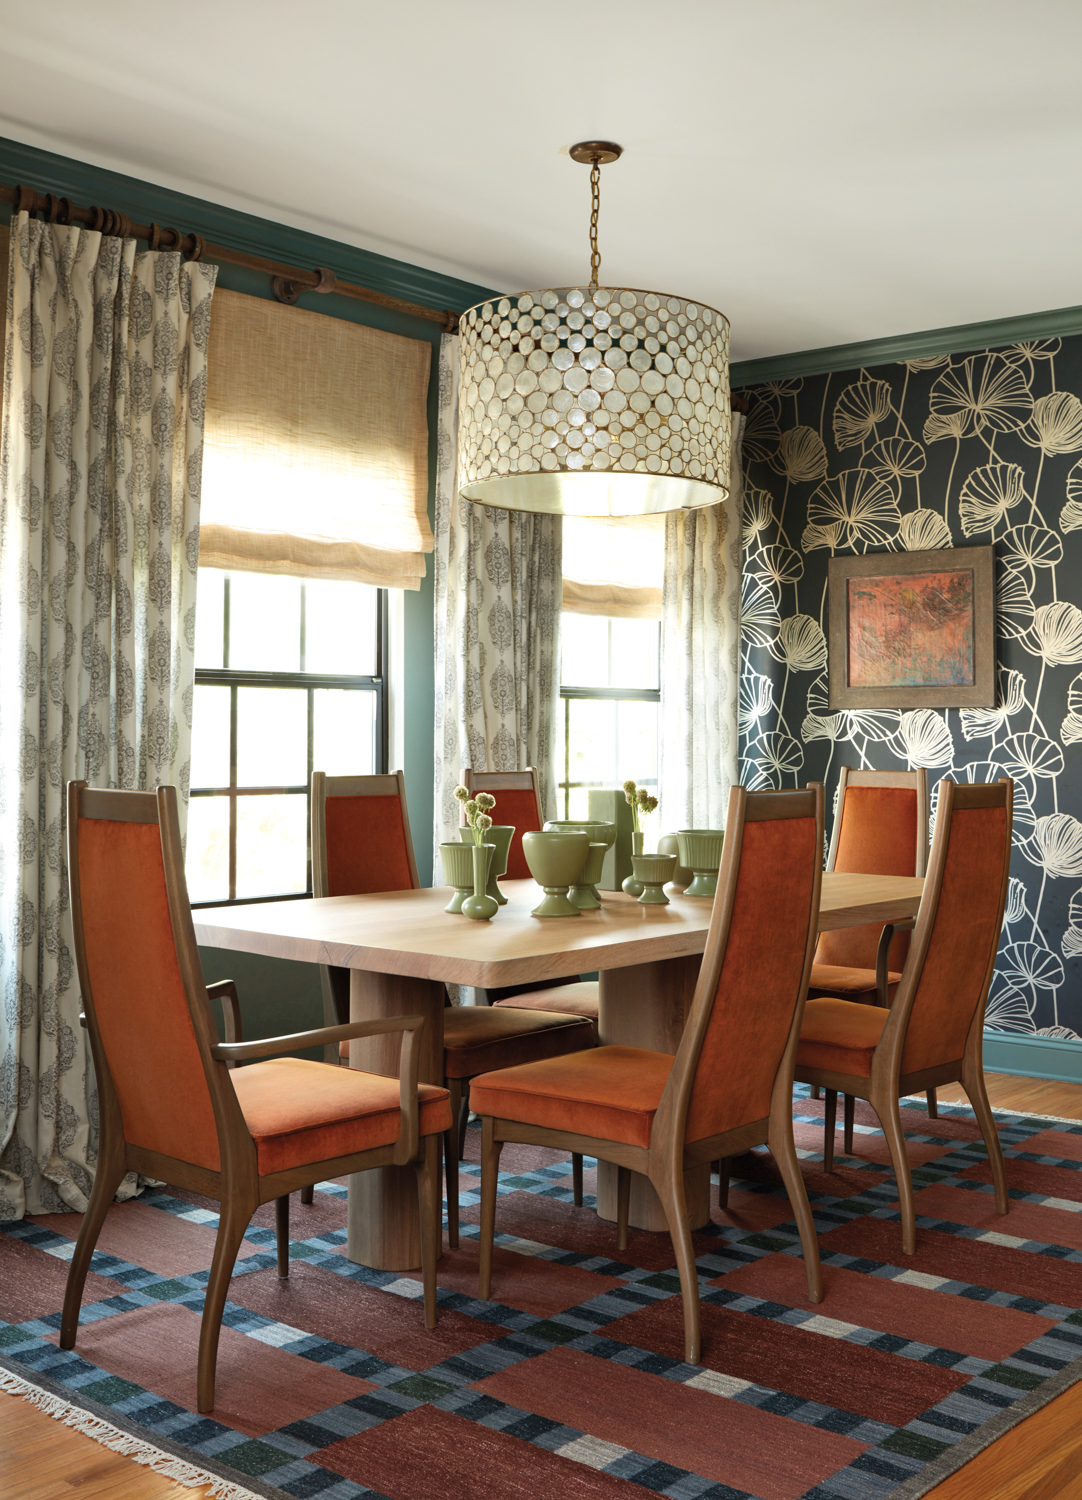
316,451
614,567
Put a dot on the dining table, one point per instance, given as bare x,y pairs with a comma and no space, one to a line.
402,949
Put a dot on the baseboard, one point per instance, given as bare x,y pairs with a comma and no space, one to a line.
1033,1056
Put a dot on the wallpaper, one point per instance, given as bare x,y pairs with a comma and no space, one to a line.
946,451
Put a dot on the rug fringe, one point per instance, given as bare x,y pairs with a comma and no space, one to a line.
166,1464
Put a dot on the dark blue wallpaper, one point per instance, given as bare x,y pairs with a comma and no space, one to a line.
947,451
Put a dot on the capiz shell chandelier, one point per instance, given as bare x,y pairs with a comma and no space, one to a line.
594,400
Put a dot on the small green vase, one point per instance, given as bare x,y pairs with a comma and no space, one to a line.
500,835
632,886
457,871
479,906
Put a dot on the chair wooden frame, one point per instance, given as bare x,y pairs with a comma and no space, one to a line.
504,781
887,1083
238,1186
667,1157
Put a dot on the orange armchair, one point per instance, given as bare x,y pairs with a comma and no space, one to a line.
361,844
933,1031
729,1086
170,1104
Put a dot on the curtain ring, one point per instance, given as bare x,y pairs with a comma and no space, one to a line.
25,199
52,208
64,211
175,244
197,247
154,236
97,218
121,225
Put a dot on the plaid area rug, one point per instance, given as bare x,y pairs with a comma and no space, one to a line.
572,1383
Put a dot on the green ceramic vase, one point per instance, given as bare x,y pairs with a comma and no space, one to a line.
457,871
681,877
583,892
554,861
632,886
599,832
700,850
499,835
479,906
652,870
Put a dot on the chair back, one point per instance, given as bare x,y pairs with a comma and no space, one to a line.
740,1040
142,985
939,1006
361,840
518,801
881,829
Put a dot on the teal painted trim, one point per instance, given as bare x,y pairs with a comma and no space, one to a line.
957,340
1033,1056
147,203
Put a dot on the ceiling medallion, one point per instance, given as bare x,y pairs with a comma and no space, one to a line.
594,400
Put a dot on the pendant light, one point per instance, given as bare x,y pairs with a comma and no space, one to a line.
594,400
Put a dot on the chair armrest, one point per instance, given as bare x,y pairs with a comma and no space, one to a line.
408,1067
226,991
882,957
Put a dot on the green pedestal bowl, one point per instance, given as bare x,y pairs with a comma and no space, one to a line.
700,850
652,871
554,861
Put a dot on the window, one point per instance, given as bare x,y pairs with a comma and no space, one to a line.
290,676
610,691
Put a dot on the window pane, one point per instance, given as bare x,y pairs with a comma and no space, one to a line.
593,742
272,737
210,598
635,653
207,862
636,743
264,623
585,651
578,802
272,845
340,628
210,737
343,740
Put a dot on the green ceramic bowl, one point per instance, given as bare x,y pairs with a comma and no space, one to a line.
555,861
604,833
653,870
700,850
457,871
583,893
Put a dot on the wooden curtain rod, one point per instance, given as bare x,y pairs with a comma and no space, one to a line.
287,281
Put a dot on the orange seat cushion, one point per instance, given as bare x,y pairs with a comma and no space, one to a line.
609,1092
580,999
848,984
300,1111
838,1036
479,1038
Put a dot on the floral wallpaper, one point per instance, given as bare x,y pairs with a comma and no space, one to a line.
945,451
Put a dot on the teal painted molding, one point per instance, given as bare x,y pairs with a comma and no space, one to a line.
1033,1056
957,340
146,203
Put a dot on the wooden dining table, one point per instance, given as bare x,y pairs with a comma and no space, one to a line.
402,949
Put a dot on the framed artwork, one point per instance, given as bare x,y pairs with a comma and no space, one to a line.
913,630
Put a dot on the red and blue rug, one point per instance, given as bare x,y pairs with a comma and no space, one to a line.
571,1382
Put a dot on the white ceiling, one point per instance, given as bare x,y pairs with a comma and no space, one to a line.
822,170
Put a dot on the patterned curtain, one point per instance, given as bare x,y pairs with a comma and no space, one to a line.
104,395
498,586
700,657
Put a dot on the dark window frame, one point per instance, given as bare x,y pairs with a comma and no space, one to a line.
233,679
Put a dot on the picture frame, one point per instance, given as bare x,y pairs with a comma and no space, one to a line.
912,629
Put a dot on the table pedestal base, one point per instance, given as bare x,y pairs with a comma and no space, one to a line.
646,1005
384,1228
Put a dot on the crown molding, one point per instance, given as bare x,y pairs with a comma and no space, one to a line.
960,339
149,203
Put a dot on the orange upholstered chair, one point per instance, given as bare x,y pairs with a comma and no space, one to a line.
933,1031
173,1106
518,801
355,855
729,1086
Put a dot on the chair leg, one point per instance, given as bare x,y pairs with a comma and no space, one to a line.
973,1083
725,1172
671,1193
463,1117
849,1105
890,1118
830,1119
307,1193
623,1205
490,1168
783,1149
576,1177
106,1181
933,1104
281,1232
815,1091
428,1205
450,1161
231,1226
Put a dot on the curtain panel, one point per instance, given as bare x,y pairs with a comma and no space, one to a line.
104,395
497,605
316,461
700,657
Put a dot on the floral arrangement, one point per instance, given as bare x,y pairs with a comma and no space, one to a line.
640,801
477,812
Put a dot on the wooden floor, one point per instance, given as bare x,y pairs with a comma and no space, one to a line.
1040,1459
